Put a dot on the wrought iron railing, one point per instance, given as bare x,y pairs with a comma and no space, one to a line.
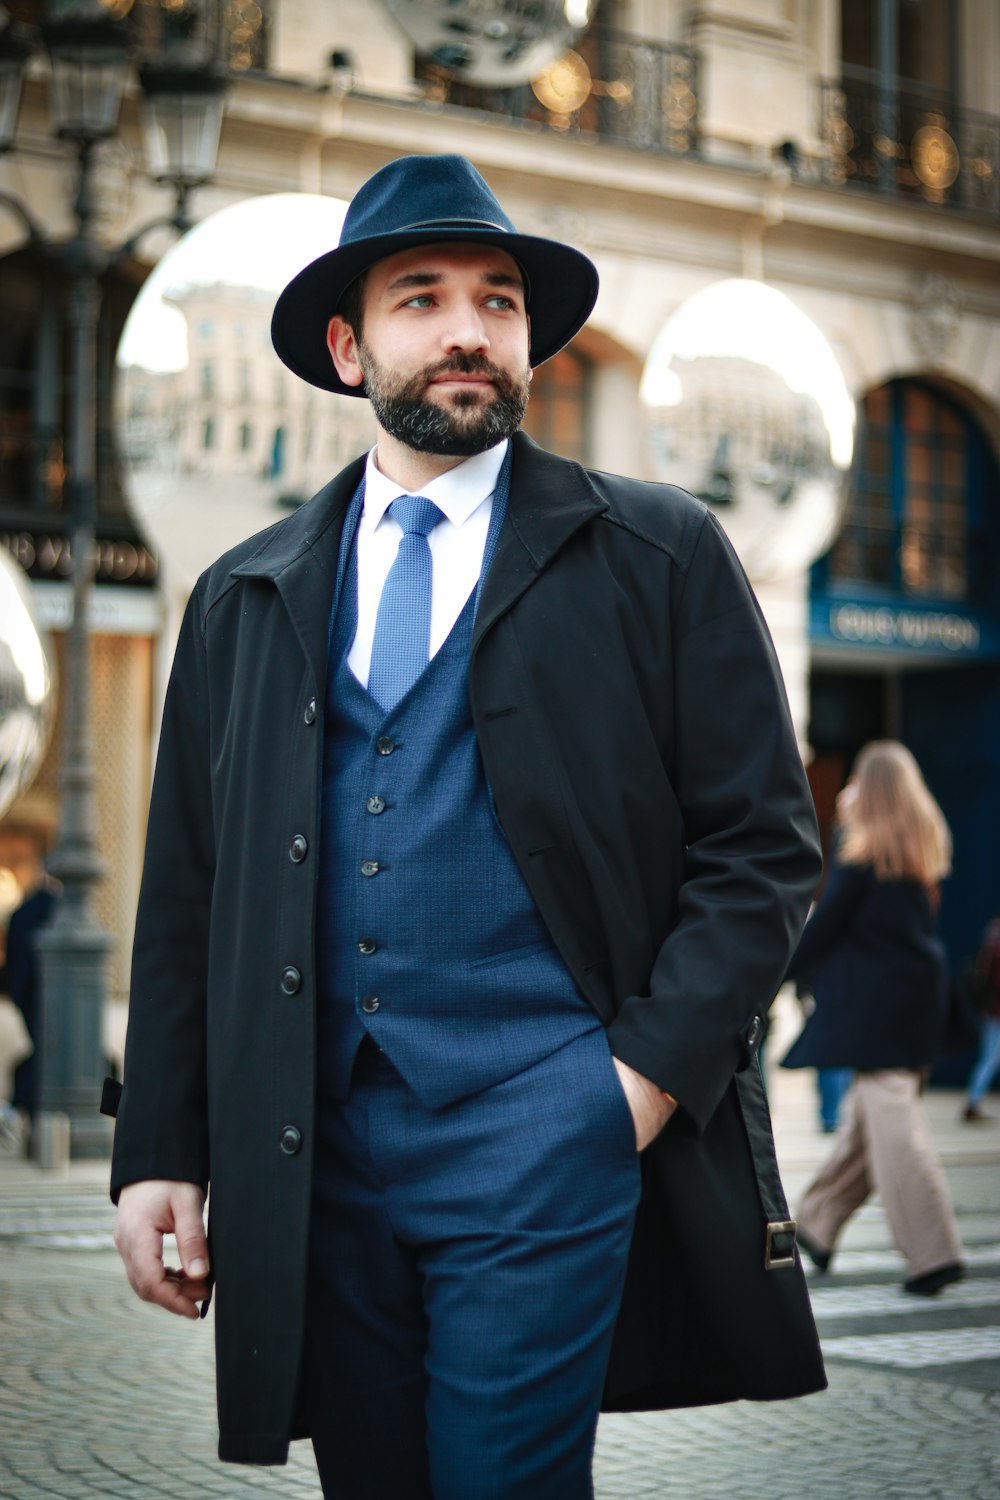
910,144
636,93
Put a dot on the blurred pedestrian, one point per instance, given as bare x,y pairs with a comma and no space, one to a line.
881,987
19,980
986,993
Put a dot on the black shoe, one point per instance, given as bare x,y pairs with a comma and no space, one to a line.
933,1282
820,1258
974,1114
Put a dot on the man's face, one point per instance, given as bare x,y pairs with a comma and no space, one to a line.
443,347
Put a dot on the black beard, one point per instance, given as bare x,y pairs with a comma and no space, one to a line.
467,427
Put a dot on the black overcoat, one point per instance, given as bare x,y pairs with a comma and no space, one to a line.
878,972
633,727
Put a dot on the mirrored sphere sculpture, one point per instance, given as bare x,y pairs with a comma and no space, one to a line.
219,440
26,684
746,407
495,42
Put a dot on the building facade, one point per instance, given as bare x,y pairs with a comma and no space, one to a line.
845,153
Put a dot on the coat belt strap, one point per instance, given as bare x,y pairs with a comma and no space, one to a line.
779,1230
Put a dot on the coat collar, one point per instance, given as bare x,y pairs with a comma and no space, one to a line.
550,499
300,557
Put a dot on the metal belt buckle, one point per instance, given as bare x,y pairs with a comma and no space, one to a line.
774,1262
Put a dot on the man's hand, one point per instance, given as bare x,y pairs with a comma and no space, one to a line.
146,1212
651,1107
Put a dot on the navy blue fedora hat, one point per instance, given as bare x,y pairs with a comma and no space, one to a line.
417,200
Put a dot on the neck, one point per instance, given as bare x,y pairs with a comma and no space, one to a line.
409,468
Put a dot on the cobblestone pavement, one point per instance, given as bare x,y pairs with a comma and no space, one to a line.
101,1395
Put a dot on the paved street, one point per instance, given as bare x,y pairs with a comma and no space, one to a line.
101,1395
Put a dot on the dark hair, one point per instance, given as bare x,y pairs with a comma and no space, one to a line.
351,306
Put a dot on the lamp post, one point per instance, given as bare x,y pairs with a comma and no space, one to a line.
90,63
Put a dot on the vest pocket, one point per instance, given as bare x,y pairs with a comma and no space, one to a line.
511,955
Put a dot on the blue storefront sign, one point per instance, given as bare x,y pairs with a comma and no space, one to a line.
930,631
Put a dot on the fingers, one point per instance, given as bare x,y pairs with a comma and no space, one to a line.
146,1211
189,1230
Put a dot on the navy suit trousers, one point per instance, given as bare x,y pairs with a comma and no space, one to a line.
466,1268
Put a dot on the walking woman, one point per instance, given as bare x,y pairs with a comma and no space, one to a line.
880,980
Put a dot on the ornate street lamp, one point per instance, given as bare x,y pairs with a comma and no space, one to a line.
89,56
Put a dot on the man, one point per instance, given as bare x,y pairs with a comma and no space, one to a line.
478,845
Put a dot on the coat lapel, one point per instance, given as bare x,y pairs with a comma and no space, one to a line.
550,499
300,558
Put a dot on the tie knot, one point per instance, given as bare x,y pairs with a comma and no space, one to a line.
415,514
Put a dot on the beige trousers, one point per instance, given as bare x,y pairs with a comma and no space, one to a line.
886,1146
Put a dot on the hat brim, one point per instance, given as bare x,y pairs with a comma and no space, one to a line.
562,282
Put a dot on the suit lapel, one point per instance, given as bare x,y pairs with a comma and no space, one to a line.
550,499
300,559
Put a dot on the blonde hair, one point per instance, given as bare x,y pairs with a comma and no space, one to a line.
893,823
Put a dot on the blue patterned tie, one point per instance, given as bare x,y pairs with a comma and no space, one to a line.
401,647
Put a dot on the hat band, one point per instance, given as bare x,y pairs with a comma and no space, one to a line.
453,224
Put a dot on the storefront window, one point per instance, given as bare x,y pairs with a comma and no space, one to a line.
919,486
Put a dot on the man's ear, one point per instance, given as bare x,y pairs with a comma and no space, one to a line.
343,347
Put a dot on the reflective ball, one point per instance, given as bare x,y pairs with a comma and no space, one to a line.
746,407
219,439
501,43
26,684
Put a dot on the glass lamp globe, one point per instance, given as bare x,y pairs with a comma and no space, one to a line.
499,43
745,405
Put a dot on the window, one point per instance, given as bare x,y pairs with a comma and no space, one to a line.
918,514
207,379
246,437
557,410
901,128
208,434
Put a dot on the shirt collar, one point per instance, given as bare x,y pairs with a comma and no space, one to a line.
457,493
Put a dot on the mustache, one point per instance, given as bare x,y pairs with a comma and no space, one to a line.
466,364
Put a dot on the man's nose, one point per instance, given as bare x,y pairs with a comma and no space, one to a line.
465,331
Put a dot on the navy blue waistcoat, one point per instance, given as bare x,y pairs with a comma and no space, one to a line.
428,938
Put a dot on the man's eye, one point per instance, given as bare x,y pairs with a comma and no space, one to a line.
422,299
504,304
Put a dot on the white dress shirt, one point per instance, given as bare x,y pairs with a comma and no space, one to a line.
464,495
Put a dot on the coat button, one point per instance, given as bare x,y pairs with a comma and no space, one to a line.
298,849
290,1140
753,1032
375,805
370,1004
384,745
310,711
291,980
367,946
370,867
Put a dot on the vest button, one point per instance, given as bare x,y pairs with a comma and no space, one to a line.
291,980
310,711
384,745
370,867
375,805
370,1004
367,945
290,1140
298,849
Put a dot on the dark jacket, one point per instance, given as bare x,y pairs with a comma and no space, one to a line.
878,974
633,727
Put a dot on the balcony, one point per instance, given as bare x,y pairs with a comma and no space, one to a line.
910,144
618,88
